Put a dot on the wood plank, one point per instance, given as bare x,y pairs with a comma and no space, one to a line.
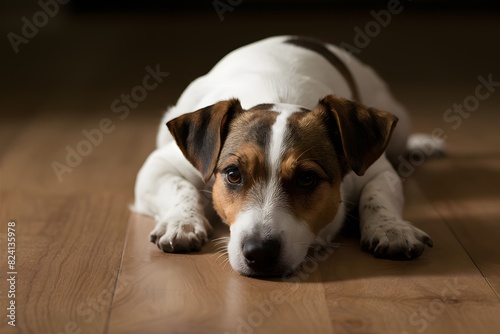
70,234
464,187
68,251
365,294
471,209
477,225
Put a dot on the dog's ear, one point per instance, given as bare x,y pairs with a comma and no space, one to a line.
201,134
361,133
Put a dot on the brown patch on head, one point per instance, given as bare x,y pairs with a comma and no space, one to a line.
311,154
324,145
244,150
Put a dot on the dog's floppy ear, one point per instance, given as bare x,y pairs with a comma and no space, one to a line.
361,133
201,134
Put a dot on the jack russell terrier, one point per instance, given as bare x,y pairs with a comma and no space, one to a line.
283,169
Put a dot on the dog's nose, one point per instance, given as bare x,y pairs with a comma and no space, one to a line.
261,253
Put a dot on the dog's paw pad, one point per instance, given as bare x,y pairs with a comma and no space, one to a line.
180,234
396,240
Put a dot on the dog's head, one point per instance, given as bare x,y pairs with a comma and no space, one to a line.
278,171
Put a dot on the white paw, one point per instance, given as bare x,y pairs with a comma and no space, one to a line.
178,233
391,239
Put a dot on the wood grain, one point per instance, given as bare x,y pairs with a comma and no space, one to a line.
468,198
471,209
374,295
346,292
85,263
184,294
70,234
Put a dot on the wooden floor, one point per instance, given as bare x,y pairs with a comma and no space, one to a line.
84,262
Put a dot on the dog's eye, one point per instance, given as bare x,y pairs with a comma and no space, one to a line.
233,175
306,179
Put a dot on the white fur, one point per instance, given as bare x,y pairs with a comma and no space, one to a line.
268,71
271,219
278,134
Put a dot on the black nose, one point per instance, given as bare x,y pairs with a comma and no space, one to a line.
261,254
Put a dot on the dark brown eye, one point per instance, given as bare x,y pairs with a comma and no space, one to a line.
306,179
233,175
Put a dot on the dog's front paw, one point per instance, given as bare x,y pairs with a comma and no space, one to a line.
397,240
179,234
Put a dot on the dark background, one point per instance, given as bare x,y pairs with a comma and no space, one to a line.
92,51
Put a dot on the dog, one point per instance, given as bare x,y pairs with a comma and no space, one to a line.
288,134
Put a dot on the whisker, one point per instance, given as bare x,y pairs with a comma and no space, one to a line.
221,238
348,202
220,244
220,255
356,218
220,247
225,264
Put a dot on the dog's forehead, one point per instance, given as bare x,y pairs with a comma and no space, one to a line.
272,115
257,125
267,126
276,109
251,127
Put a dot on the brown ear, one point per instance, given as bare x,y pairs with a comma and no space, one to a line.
361,133
201,134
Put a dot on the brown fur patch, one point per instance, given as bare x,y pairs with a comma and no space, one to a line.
311,150
245,148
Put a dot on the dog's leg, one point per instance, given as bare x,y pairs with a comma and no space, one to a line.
167,188
383,230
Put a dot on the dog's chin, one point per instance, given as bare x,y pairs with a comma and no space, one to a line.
278,271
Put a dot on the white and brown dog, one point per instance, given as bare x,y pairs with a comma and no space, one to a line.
283,168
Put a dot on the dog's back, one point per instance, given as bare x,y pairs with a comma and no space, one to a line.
294,70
